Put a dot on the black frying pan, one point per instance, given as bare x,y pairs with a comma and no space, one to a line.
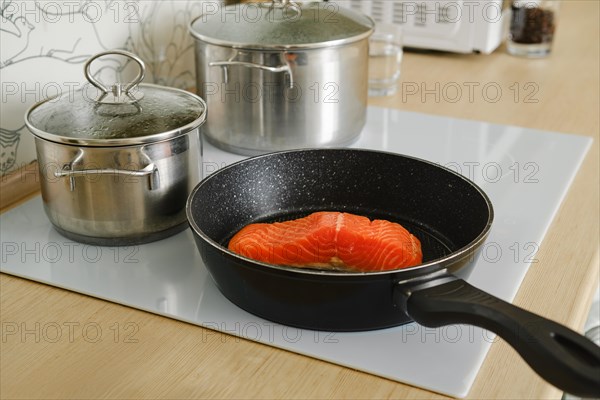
448,213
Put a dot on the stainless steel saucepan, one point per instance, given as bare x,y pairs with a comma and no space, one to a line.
282,75
117,169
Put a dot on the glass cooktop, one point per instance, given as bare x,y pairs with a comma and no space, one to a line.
525,172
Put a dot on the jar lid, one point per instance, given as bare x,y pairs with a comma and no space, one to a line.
120,116
282,24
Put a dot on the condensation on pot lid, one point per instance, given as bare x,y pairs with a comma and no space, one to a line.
281,25
76,116
157,113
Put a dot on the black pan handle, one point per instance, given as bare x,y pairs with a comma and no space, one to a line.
564,358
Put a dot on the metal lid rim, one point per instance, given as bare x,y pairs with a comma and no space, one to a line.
158,137
281,47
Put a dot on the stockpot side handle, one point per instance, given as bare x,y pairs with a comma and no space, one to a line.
564,358
232,63
150,171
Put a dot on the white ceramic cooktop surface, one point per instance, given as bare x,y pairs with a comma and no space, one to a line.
525,172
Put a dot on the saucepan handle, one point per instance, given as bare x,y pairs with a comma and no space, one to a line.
561,356
73,170
231,62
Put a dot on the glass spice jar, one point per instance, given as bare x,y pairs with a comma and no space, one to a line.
532,27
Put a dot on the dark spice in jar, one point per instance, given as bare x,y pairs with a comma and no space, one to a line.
532,25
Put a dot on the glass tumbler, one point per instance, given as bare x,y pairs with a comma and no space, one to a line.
385,57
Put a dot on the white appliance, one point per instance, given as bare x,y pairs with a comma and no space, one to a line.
461,26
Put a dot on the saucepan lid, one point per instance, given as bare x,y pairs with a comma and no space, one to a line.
121,115
280,24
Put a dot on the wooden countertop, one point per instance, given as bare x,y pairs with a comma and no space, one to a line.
171,359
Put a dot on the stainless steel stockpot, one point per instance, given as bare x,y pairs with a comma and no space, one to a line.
282,75
117,169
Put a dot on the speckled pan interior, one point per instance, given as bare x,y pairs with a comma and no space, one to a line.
437,205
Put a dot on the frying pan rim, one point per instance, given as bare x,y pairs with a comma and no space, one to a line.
430,266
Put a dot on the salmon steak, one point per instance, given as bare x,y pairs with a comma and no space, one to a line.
330,240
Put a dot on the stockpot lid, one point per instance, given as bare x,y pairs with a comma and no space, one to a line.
281,24
123,115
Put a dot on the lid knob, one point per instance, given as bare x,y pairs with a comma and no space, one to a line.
286,4
121,93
